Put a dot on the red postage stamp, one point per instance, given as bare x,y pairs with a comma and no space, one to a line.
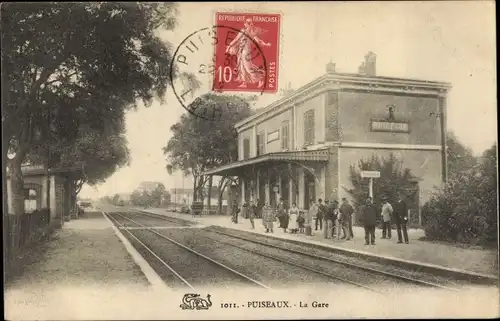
246,52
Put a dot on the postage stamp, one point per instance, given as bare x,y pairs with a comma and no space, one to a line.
193,69
246,52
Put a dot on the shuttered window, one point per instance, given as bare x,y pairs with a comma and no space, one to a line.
246,148
309,127
260,144
285,127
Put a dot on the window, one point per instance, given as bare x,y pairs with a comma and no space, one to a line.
260,143
284,135
309,127
30,200
246,148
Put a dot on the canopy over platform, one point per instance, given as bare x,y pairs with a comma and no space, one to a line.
233,169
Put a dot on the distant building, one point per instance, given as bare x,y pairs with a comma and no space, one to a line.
181,195
124,197
148,186
185,196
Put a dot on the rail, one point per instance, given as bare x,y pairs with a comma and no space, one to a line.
241,275
328,259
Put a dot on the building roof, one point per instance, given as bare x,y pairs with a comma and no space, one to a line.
181,190
374,83
148,185
319,155
35,170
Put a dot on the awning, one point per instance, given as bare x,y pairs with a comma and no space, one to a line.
319,155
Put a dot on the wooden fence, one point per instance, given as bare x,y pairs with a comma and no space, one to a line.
23,230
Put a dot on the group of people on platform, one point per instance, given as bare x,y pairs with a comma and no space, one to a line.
391,213
332,218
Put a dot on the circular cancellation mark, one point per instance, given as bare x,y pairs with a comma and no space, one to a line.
205,53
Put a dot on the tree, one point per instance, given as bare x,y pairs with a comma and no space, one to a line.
136,198
466,209
116,199
65,65
100,156
459,157
157,195
198,145
167,198
393,178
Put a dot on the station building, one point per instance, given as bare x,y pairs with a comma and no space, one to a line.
302,146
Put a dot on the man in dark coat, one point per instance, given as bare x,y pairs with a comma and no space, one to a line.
346,211
234,211
369,221
282,215
400,213
320,214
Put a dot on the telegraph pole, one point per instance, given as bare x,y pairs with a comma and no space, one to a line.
47,170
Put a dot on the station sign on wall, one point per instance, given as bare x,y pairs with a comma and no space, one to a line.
390,126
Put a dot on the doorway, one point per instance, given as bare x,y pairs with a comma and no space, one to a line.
309,189
285,191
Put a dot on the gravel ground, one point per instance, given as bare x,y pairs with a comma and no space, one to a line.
79,257
352,260
128,219
198,271
83,271
268,271
468,258
374,281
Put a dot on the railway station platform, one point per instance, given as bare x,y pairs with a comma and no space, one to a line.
419,252
82,265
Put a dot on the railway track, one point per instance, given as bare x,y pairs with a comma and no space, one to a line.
352,266
322,265
184,261
327,275
150,219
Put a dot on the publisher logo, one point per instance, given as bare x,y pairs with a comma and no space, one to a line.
192,301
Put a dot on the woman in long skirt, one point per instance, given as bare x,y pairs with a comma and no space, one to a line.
268,218
294,215
282,216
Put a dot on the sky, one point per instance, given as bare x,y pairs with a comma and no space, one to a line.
441,41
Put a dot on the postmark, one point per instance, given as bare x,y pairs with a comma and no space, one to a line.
195,68
238,60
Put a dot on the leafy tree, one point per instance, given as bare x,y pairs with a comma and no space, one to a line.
116,199
459,157
66,65
167,198
466,209
198,145
393,178
136,198
106,200
157,195
99,155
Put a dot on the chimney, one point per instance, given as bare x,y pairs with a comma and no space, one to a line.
370,64
330,67
288,90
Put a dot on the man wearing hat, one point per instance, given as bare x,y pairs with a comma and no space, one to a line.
369,219
346,212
